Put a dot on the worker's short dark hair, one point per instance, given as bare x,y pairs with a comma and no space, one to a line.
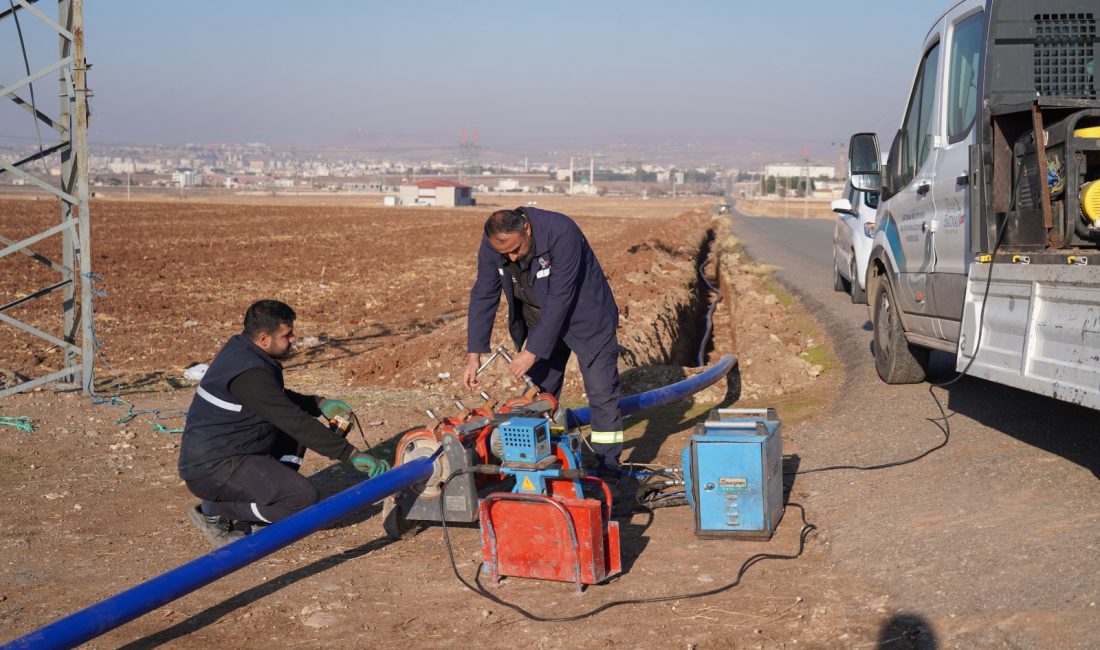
267,316
504,221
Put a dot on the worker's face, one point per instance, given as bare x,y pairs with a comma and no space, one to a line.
513,245
278,344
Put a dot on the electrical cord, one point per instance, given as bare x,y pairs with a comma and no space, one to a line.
362,435
480,590
944,417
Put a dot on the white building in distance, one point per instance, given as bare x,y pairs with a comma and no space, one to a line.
436,192
787,170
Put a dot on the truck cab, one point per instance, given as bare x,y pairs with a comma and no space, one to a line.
996,165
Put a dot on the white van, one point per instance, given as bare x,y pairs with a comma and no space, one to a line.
989,211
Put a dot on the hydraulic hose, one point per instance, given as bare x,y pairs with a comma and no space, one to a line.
121,608
661,396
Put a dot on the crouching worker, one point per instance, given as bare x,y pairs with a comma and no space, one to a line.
246,434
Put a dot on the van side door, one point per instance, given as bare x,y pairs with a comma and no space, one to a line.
911,209
964,35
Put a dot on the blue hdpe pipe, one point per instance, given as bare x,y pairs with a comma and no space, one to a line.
664,395
121,608
124,607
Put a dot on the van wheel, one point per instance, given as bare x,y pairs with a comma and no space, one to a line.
896,361
859,296
838,280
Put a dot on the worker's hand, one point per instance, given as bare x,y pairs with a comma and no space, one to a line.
521,363
368,464
332,408
338,414
469,375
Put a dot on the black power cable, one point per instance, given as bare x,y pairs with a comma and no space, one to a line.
944,417
480,590
807,527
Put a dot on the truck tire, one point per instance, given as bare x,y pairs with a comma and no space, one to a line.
896,361
859,296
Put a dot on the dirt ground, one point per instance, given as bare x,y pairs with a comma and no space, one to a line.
91,503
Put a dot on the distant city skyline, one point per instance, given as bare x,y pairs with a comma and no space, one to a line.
530,77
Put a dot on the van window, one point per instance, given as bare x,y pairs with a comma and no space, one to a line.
918,120
962,94
927,103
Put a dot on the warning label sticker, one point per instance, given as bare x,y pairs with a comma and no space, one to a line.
527,485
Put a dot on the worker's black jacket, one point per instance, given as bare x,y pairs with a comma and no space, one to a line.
568,284
239,407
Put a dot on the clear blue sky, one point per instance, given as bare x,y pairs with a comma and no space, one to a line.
320,73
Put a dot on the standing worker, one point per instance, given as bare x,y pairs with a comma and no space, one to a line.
542,261
246,434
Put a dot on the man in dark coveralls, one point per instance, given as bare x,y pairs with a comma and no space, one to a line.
559,303
246,434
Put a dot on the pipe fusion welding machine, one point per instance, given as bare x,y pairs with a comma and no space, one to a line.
733,474
554,524
516,470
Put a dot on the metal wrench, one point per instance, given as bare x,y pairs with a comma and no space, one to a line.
501,352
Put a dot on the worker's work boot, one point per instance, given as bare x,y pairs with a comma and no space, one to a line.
625,495
624,491
219,531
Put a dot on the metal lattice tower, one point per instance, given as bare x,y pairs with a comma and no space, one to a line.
77,337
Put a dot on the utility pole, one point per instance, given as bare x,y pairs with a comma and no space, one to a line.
570,175
806,187
75,268
785,192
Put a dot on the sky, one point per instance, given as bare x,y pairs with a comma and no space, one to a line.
525,74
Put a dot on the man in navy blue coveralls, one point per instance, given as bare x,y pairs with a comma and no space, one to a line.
559,303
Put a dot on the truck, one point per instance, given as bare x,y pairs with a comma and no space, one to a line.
986,242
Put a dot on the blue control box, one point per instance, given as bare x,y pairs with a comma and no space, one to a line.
733,470
526,440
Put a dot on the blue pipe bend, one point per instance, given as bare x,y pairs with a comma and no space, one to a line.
123,607
661,396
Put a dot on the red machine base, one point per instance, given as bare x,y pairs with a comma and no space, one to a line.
537,536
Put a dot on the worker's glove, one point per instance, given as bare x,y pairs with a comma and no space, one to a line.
368,464
338,414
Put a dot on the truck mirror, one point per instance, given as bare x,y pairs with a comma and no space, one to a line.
867,182
863,157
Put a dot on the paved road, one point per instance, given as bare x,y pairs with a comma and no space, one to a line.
994,539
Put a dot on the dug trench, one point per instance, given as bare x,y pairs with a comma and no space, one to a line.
721,303
663,283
